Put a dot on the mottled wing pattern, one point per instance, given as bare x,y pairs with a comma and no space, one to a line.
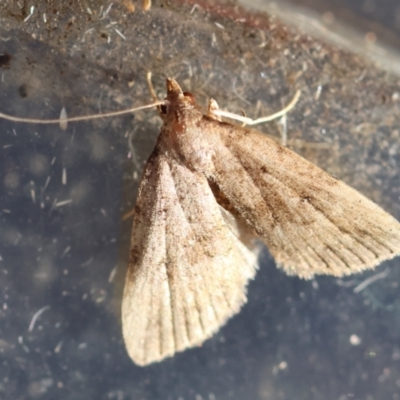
188,268
311,222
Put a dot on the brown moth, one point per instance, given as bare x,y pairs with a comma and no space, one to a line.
209,190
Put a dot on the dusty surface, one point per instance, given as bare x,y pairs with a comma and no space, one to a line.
61,204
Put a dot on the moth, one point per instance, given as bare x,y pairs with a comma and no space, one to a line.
212,191
209,192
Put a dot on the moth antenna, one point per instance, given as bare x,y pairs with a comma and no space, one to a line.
63,121
250,121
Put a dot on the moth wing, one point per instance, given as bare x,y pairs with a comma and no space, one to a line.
189,264
311,222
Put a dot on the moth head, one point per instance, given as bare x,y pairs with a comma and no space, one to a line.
176,99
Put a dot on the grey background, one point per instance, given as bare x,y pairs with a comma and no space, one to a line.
292,339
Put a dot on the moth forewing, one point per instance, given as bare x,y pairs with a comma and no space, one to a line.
311,222
188,268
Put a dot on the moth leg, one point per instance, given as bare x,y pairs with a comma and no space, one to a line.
211,110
